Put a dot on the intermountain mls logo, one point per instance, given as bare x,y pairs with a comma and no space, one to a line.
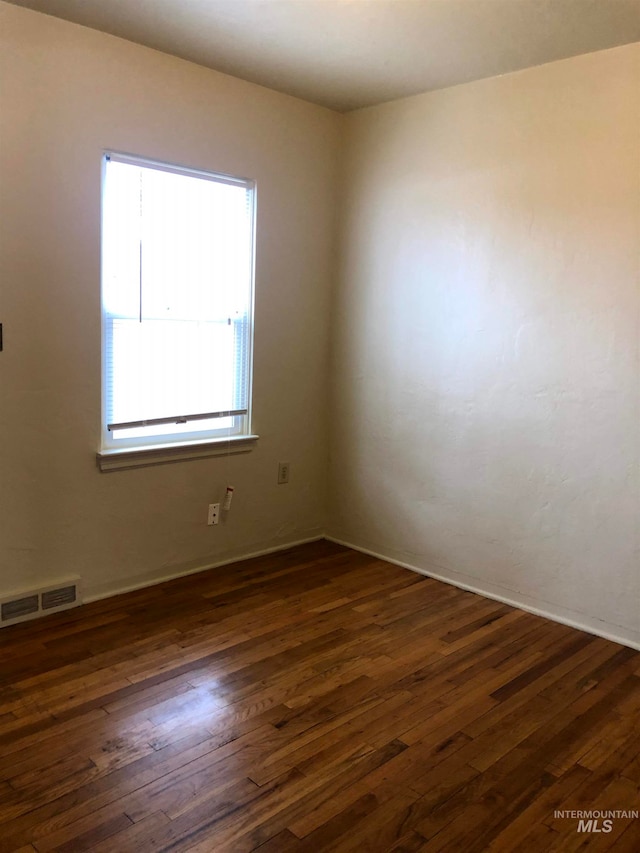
597,821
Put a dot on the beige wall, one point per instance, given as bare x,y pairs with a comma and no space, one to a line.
487,377
66,93
484,419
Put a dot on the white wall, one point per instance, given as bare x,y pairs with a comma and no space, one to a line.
67,93
486,417
486,377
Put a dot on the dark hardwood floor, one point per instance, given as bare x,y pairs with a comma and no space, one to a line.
314,700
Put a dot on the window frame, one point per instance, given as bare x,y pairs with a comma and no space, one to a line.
164,447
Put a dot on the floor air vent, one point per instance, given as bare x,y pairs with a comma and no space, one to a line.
58,597
19,607
38,602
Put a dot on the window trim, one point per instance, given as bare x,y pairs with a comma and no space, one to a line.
239,438
158,454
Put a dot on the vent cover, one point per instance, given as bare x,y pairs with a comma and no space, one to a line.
58,597
30,604
19,607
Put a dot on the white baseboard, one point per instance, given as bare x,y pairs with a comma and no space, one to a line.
149,580
591,625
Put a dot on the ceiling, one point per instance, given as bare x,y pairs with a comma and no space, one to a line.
346,54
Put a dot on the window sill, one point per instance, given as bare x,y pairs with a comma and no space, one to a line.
160,454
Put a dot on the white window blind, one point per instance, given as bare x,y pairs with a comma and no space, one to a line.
177,272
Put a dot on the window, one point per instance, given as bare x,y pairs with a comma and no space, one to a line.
177,273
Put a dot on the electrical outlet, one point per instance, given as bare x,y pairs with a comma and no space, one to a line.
214,514
283,473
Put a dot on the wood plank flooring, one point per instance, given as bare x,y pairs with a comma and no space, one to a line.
314,700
